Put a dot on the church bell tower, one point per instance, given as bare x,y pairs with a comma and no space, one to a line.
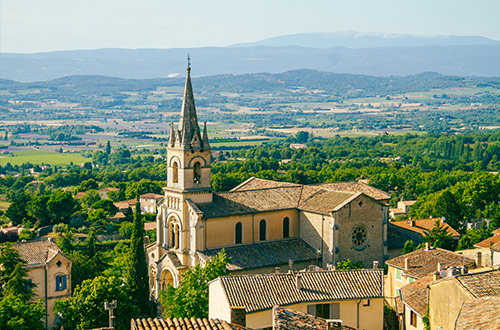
188,153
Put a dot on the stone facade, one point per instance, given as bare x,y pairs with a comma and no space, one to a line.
334,221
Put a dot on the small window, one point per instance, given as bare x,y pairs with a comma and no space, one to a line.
398,274
175,170
323,311
61,283
238,233
397,292
366,303
410,280
58,263
286,227
262,230
413,318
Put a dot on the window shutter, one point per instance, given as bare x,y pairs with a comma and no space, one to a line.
335,311
311,309
58,286
64,283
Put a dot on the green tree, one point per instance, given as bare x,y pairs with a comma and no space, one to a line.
190,298
85,309
439,237
17,313
409,247
9,259
16,211
349,264
89,198
87,185
61,206
137,278
108,147
87,263
106,205
37,209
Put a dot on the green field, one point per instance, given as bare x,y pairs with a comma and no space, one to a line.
41,156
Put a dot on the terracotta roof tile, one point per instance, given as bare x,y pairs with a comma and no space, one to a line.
37,251
264,254
482,284
108,189
347,186
150,226
288,319
262,292
182,324
415,294
480,314
489,241
421,226
151,196
424,262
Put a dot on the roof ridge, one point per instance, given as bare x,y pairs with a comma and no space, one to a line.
257,189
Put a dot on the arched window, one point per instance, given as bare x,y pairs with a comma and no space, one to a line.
173,234
286,227
262,230
238,233
175,172
196,173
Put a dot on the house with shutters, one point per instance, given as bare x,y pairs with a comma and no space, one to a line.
352,298
50,270
261,224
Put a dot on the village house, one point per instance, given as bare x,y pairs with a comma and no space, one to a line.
495,254
487,243
50,270
260,223
410,267
351,297
288,319
481,314
150,202
400,232
103,192
401,210
449,296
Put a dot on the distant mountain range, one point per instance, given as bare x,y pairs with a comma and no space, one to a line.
343,52
354,39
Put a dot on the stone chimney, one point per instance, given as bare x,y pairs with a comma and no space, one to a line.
436,276
375,264
427,246
440,267
298,282
479,259
238,316
277,270
407,263
412,223
464,270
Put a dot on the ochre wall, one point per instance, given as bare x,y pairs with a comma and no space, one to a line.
221,231
445,300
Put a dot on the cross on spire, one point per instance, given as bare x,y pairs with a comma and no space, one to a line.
189,62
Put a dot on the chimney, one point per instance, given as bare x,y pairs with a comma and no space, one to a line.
450,272
238,316
298,282
464,270
427,246
479,259
407,263
412,223
277,270
375,264
436,276
440,267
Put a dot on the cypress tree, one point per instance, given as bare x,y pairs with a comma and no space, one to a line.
108,148
138,269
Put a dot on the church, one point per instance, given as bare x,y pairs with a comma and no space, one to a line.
262,225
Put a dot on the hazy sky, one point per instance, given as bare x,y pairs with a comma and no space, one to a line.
47,25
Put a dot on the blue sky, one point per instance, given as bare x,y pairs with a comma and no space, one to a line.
46,25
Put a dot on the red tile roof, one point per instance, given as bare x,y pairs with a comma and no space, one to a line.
150,226
421,226
423,262
480,314
151,196
181,324
488,242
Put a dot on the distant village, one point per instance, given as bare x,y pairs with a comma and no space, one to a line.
297,256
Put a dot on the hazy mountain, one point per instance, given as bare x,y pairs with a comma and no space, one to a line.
354,39
478,60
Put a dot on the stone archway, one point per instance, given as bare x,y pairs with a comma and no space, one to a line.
167,278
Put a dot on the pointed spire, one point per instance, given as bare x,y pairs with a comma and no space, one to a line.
172,135
206,145
188,123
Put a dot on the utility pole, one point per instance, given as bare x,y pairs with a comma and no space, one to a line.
111,307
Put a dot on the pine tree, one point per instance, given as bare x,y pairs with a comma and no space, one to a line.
108,148
138,269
